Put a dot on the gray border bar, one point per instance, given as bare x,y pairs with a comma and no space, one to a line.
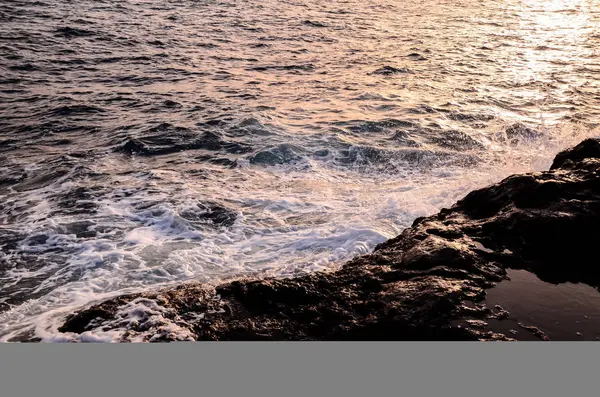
302,369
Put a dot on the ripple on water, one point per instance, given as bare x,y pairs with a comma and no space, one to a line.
145,144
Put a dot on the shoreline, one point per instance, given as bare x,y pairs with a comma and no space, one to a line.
428,283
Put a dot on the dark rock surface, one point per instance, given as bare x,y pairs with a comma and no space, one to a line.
417,286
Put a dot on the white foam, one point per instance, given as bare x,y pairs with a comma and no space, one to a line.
289,220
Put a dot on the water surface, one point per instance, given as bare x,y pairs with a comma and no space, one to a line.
146,143
566,311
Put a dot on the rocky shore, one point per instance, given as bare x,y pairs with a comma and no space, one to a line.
429,283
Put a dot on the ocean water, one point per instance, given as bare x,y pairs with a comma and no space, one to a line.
154,142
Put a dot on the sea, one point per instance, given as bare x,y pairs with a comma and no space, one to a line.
149,143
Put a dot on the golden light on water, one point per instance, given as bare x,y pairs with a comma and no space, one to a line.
553,42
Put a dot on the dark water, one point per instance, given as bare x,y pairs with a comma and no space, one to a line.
145,143
565,312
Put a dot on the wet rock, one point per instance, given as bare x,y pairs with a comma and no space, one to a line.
536,331
419,285
590,148
477,323
501,314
